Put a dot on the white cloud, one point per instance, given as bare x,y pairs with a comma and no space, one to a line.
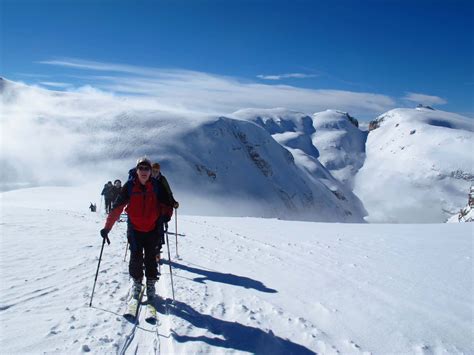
216,94
29,75
55,84
65,129
425,99
286,76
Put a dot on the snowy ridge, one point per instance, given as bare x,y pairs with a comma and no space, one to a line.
419,165
243,285
332,137
237,154
341,144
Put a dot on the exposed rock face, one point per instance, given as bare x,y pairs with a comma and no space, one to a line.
425,106
465,214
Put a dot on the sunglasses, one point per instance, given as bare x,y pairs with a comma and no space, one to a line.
143,168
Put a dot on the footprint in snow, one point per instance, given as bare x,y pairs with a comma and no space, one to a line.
106,339
85,348
353,345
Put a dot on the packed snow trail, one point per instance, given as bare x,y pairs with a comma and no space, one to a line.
243,285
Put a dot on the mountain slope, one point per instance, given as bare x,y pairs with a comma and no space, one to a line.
332,137
419,166
243,285
340,142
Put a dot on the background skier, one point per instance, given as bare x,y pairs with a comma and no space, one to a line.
167,193
107,193
116,190
168,200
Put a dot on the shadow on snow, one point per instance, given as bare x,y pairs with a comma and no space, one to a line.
235,335
215,276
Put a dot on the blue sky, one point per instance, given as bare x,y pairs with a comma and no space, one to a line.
400,51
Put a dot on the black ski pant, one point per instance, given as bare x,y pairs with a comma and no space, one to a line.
108,205
143,252
161,231
161,234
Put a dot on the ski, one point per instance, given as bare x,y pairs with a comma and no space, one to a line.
133,307
151,316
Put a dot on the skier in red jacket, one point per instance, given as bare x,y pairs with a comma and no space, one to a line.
140,198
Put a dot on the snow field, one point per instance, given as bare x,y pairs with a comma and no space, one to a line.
243,285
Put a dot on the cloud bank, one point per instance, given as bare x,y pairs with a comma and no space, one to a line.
47,127
218,94
425,99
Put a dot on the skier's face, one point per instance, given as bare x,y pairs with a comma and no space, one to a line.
144,173
156,172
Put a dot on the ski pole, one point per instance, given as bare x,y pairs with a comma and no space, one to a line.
98,266
176,230
100,205
126,249
169,261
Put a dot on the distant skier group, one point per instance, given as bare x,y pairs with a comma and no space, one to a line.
110,193
148,201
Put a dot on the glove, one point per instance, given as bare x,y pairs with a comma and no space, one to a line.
176,204
166,218
105,234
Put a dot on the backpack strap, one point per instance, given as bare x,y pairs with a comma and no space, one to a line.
130,187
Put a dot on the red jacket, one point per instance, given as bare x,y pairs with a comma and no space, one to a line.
141,204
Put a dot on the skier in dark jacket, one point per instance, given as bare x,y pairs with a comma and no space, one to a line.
140,198
116,189
107,193
168,200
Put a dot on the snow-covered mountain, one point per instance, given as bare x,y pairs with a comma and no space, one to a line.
340,142
419,165
414,166
216,165
332,137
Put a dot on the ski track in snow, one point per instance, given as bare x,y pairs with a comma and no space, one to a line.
242,285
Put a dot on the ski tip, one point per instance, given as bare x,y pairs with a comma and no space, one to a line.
131,318
151,320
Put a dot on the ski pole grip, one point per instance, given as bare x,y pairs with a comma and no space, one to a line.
108,240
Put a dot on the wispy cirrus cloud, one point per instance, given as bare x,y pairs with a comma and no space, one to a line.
217,94
55,84
424,99
30,75
287,76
